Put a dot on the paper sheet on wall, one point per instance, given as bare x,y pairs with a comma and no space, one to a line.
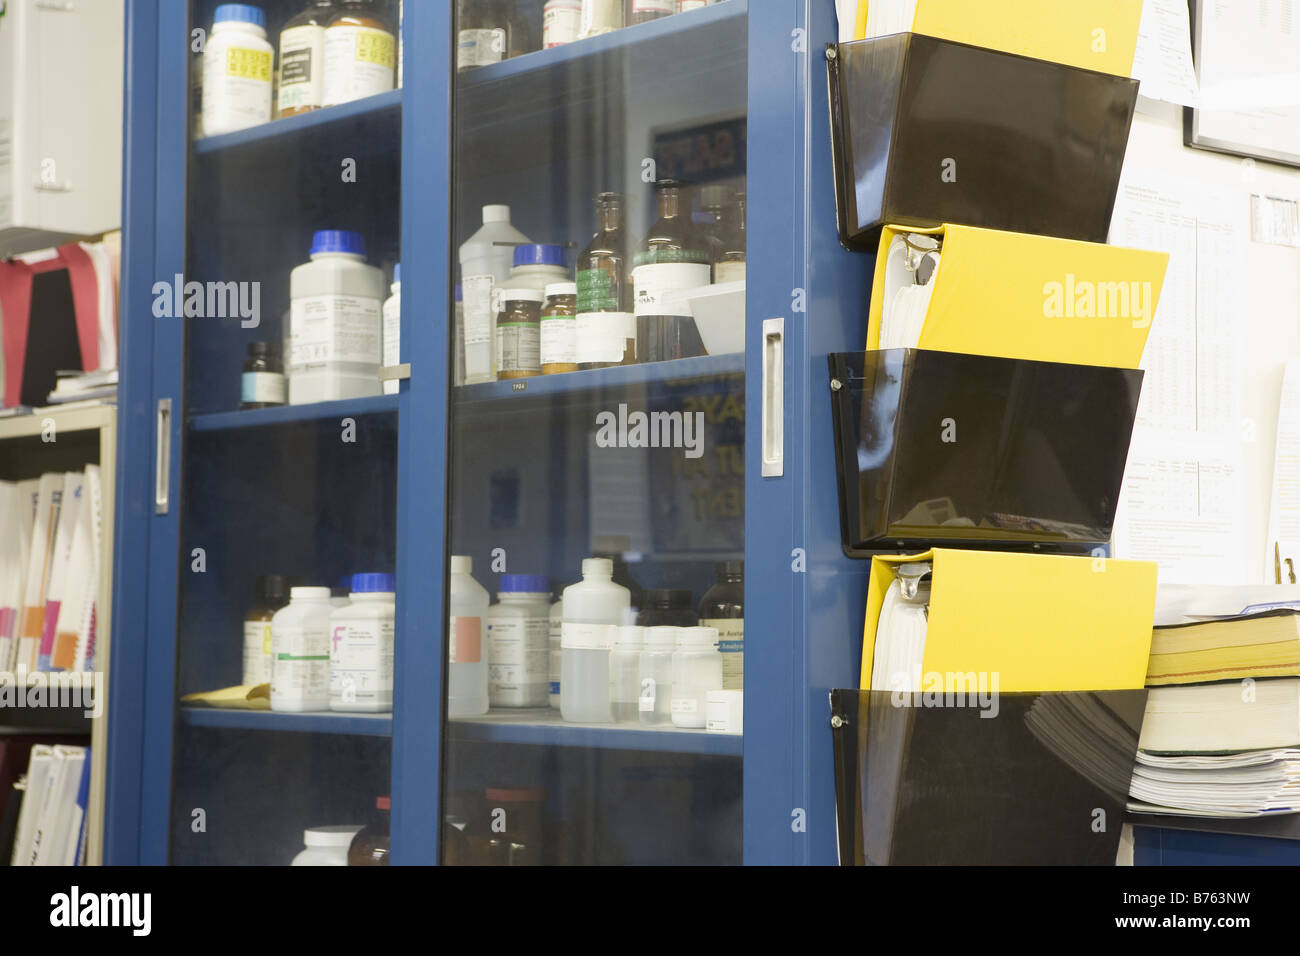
1163,59
1182,503
1248,64
1282,559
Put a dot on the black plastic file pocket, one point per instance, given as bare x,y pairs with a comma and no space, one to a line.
938,449
927,131
978,778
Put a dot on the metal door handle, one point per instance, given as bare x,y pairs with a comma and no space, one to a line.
162,464
773,398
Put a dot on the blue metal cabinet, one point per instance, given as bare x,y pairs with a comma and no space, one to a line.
253,491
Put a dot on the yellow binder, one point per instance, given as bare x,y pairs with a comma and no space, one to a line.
1093,34
1040,622
1014,295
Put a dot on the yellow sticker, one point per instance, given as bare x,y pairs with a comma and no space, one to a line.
375,46
266,638
248,64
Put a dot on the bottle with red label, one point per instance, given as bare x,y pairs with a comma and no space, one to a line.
467,668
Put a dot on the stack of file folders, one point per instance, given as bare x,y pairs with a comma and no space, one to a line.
1221,735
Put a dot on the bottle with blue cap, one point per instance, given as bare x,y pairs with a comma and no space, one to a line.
361,646
335,303
237,67
393,327
518,632
537,265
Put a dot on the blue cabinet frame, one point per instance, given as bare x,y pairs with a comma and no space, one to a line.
805,599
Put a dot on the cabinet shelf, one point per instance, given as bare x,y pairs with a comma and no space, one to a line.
291,414
365,725
278,129
623,376
547,728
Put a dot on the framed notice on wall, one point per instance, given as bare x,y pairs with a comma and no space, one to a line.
1247,55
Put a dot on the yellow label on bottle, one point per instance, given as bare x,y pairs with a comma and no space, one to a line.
376,46
248,64
266,638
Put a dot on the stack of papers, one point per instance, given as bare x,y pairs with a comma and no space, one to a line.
99,386
1230,785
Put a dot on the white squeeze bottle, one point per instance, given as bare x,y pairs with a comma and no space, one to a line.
485,262
335,302
467,667
593,610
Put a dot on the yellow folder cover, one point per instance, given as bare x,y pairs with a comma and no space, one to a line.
1014,295
1093,34
1040,622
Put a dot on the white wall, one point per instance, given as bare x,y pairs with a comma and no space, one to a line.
1272,296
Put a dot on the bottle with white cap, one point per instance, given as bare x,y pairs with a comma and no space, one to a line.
237,67
326,846
656,675
300,652
467,666
697,669
593,610
485,262
624,672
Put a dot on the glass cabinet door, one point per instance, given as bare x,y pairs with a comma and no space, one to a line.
287,488
595,633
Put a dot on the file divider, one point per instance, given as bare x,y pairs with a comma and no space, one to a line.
927,131
976,781
941,449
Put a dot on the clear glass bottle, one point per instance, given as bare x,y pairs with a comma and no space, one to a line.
605,327
656,675
729,265
671,259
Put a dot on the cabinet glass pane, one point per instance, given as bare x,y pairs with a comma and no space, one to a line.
597,412
288,475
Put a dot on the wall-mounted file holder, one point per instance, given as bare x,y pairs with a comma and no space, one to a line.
927,131
943,448
932,782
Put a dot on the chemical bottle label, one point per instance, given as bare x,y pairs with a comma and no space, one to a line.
257,653
359,62
333,328
603,336
587,637
520,345
654,281
480,48
301,665
246,64
731,644
361,660
561,21
301,81
559,340
729,272
646,702
663,7
267,387
597,291
685,705
465,640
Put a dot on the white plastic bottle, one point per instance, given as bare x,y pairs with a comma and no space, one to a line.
334,325
361,647
535,266
300,650
517,635
557,625
467,669
485,262
656,673
392,347
593,610
624,672
326,846
237,62
697,669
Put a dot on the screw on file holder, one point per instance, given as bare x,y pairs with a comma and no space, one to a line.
837,721
910,576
